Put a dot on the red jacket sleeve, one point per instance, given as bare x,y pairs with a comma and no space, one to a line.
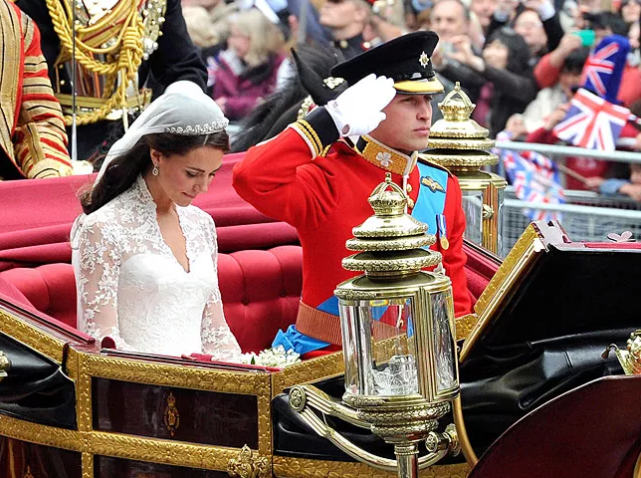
279,178
545,73
454,258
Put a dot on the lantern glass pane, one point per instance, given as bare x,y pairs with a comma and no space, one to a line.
381,370
444,343
473,207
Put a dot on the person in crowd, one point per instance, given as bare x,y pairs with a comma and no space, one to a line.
548,70
550,98
630,11
145,259
537,21
450,20
625,187
483,10
503,74
174,58
319,172
346,20
32,131
249,68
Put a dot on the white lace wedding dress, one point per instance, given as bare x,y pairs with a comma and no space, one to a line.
132,289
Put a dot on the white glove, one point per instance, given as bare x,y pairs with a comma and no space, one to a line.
358,110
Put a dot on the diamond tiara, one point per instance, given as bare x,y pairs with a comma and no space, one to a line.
207,128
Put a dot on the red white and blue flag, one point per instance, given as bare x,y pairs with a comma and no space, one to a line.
535,179
592,122
598,69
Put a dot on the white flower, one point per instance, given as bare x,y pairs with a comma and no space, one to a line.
276,357
384,158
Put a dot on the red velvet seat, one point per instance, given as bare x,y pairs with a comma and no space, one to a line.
50,288
260,291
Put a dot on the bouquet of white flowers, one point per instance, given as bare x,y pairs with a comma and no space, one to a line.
276,357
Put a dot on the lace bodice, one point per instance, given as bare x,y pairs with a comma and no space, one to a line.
132,288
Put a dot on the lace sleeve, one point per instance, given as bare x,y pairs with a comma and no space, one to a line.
217,339
96,262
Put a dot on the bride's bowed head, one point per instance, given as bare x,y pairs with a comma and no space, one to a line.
177,145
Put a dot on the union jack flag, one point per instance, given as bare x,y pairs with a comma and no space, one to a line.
592,122
598,69
535,179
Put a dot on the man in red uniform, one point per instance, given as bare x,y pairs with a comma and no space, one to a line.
319,183
33,142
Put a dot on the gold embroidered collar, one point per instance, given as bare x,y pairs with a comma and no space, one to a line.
385,157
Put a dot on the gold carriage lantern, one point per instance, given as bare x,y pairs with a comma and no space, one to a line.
399,346
458,143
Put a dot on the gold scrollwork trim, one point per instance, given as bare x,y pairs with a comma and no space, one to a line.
308,371
502,283
31,336
180,376
464,326
248,465
122,446
305,468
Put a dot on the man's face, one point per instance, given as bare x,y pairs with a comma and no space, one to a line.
407,123
448,20
484,9
337,14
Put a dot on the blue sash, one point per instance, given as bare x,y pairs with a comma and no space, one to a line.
431,196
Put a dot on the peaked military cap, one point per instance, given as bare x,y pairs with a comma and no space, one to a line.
405,59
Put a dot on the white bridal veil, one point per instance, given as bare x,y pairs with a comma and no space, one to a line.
182,109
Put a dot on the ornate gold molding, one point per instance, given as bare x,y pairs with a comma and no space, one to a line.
305,468
31,336
82,367
248,465
87,465
181,376
308,371
502,283
119,445
465,325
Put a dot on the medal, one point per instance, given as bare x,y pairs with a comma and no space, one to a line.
442,232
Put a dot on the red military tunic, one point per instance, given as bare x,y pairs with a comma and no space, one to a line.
325,197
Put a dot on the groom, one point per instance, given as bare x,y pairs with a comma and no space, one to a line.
318,173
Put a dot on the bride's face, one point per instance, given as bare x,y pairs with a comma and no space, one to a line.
183,177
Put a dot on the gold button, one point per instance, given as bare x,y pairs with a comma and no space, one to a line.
410,203
343,43
408,188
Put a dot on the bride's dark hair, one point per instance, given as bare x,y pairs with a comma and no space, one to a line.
123,171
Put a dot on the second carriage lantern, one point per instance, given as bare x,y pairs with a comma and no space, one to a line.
458,143
399,346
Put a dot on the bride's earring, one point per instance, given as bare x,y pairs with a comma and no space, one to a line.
155,170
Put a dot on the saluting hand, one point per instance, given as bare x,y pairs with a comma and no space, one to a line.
358,110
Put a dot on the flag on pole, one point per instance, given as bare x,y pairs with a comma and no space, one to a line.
592,122
594,119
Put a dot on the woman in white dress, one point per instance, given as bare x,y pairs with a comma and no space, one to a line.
145,259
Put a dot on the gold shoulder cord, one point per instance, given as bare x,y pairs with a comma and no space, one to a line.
124,53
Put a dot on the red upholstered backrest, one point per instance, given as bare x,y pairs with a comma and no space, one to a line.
50,289
260,291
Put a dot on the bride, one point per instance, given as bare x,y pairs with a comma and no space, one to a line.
145,259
